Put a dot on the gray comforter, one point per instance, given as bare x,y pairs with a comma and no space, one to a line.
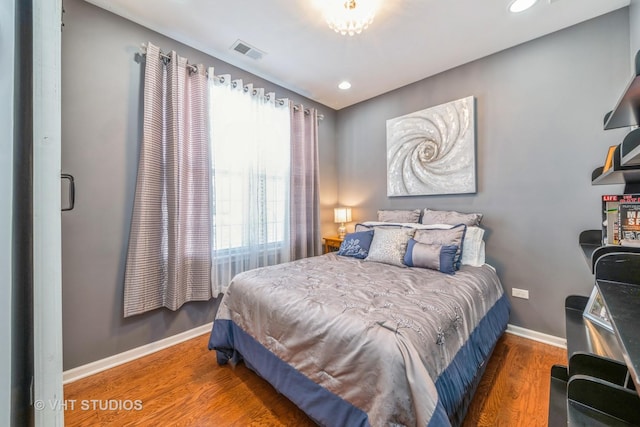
374,334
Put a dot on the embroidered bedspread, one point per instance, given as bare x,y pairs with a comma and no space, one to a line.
376,335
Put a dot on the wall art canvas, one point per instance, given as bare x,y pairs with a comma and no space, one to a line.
433,151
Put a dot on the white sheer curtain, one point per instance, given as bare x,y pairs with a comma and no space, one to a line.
250,167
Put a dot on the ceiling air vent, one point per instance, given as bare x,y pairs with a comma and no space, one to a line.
247,50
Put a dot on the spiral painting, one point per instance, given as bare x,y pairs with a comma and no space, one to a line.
433,151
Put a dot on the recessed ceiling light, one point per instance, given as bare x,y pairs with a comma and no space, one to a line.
345,85
521,5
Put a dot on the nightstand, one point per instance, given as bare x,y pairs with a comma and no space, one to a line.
332,244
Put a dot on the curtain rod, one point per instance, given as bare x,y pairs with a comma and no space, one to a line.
194,69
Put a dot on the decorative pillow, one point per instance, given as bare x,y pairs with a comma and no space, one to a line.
453,236
450,217
389,245
435,257
473,243
356,245
399,215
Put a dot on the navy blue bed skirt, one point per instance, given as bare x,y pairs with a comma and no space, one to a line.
233,345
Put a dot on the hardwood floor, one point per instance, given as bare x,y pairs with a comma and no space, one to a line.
514,390
184,386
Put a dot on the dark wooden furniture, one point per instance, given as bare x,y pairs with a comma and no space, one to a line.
599,387
332,244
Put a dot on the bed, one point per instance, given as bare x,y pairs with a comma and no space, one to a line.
358,343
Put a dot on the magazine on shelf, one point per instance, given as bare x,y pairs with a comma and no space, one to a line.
610,219
629,223
611,216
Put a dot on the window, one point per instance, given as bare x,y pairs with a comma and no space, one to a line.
250,141
233,209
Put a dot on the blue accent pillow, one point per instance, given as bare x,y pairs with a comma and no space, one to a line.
433,256
356,245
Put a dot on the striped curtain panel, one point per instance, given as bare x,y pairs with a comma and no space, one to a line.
169,255
304,183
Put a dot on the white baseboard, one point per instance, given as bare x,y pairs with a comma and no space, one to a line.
537,336
101,365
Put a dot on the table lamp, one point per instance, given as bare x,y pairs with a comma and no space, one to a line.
341,215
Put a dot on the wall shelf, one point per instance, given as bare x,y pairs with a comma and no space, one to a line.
619,266
592,401
630,149
626,158
590,241
601,384
623,303
627,110
558,396
609,249
617,174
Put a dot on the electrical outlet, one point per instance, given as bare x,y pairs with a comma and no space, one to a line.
520,293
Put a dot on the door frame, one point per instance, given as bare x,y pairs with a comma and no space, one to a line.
7,82
48,393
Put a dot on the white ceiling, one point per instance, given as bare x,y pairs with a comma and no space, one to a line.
408,41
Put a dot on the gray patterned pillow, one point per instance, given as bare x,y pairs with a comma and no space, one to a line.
444,237
412,216
389,245
450,217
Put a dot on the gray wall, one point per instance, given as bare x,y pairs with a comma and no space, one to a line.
100,133
540,108
634,25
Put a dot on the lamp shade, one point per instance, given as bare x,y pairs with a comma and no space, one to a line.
341,214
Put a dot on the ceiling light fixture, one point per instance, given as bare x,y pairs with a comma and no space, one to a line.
344,85
521,5
350,16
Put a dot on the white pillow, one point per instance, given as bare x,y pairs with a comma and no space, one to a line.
473,247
